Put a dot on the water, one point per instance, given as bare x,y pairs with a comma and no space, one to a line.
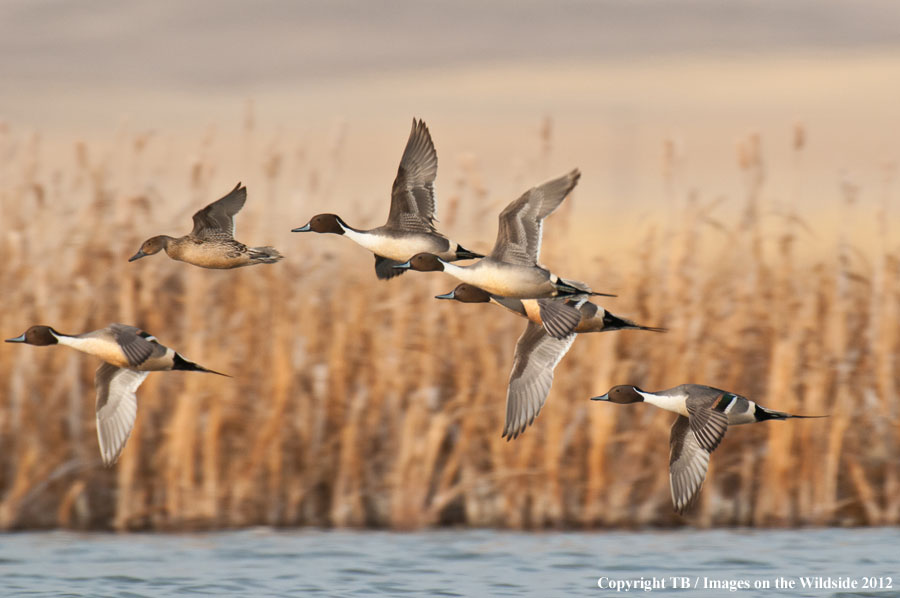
263,562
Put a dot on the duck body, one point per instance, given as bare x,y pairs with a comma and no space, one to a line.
219,254
704,415
512,268
410,225
211,243
400,245
541,347
507,280
129,354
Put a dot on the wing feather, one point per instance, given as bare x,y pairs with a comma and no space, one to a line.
413,204
216,221
521,222
537,355
116,408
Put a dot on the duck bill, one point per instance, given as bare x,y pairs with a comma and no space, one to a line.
138,256
450,295
18,339
404,266
303,229
601,398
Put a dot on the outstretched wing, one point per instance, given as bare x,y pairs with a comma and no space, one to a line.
521,223
116,408
537,355
216,221
413,204
688,461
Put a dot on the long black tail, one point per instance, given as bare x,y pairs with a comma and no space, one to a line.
180,363
565,287
464,254
614,322
762,414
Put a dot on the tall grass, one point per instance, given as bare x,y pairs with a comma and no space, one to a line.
361,403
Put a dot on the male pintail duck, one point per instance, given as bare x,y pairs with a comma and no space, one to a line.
704,414
211,244
512,270
538,352
129,354
410,225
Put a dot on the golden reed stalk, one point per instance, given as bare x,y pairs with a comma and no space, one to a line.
361,403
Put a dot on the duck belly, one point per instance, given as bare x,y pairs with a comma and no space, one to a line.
399,248
106,349
506,280
209,255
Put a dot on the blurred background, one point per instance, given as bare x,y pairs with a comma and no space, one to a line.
739,188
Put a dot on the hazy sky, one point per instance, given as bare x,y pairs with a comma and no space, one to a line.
218,44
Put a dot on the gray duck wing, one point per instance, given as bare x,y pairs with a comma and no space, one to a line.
521,222
137,345
560,317
116,408
708,422
216,221
688,462
413,204
537,355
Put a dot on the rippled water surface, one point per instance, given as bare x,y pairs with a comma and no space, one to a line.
263,562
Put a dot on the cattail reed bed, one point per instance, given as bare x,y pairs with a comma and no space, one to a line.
360,403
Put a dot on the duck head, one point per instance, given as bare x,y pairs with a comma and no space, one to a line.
37,335
621,394
466,293
423,262
323,223
151,246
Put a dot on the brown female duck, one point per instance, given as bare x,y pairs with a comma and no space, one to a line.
211,244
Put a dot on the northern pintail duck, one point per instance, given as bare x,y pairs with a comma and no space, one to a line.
211,244
512,269
704,414
129,354
538,352
410,225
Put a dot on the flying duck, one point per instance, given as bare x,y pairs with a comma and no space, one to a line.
512,270
704,414
211,244
129,354
410,225
538,351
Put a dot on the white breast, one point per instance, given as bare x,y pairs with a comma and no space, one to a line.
676,404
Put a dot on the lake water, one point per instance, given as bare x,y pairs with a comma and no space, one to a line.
263,562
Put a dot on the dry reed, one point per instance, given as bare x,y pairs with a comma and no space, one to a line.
362,403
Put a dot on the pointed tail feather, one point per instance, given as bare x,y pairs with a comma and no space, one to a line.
763,414
180,363
573,287
464,254
614,322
